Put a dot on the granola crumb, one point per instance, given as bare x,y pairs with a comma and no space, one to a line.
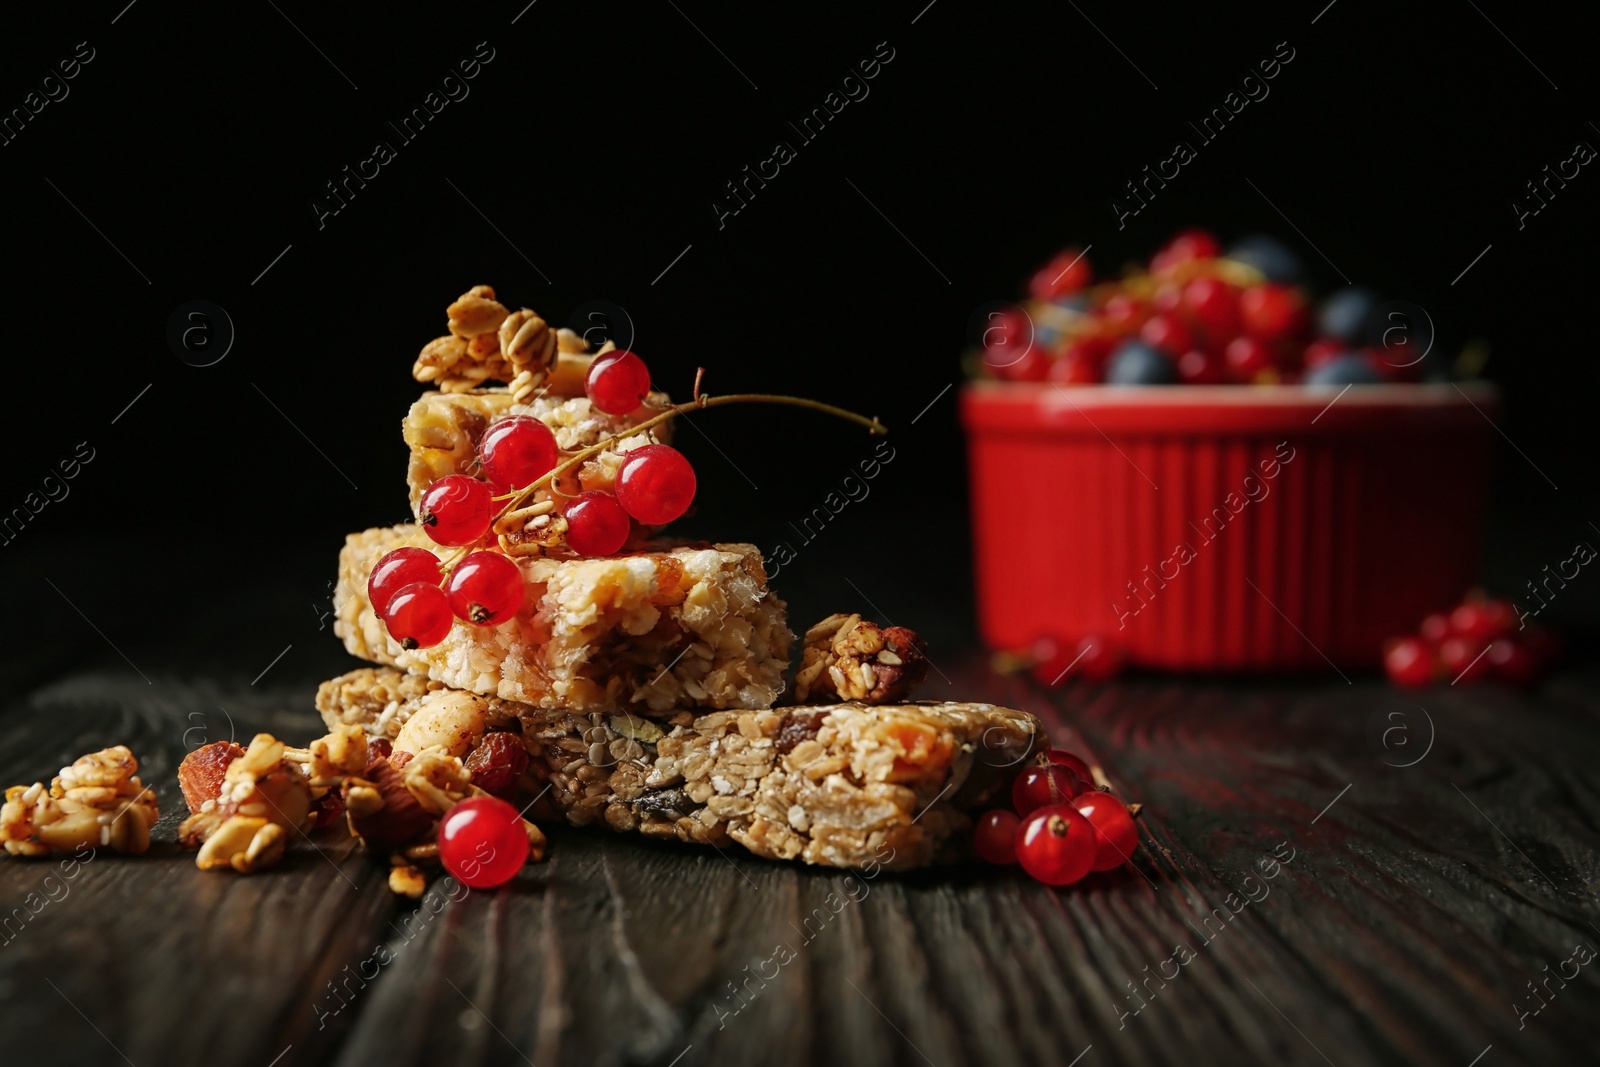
848,658
407,881
97,801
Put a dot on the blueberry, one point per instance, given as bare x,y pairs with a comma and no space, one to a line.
1348,314
1348,369
1136,363
1075,302
1269,256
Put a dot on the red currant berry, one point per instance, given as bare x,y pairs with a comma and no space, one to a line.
1100,659
618,382
398,569
1214,304
1195,243
1168,333
1092,348
1056,845
1115,834
1409,662
1271,312
996,836
1074,368
596,524
655,484
1398,361
1047,663
1247,357
1008,332
1199,367
1063,758
486,588
1122,314
456,510
1168,298
1324,350
418,615
1462,659
1037,786
1031,365
1483,620
1435,628
1062,276
1510,660
482,842
1186,246
517,452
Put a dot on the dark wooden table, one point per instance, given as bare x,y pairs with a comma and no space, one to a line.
1429,858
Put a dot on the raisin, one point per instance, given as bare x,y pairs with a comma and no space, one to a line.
798,726
497,763
378,748
328,809
671,804
201,772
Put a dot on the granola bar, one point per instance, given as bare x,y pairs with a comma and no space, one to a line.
844,785
690,626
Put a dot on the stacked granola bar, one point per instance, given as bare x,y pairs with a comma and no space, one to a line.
643,686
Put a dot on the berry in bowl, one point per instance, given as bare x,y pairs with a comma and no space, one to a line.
1210,469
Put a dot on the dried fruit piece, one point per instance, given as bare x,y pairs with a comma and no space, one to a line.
265,796
201,773
497,763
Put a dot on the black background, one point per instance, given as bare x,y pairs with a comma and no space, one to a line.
206,527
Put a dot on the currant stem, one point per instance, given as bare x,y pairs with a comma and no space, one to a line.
517,497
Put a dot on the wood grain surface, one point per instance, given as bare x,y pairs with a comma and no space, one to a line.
1429,859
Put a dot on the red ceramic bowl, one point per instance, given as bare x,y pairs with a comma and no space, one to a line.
1226,528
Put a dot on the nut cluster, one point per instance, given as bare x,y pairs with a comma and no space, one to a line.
264,795
97,801
246,802
848,658
489,341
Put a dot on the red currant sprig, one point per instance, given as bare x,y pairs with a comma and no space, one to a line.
1063,827
655,485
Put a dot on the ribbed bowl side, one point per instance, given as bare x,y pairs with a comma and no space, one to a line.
1279,544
